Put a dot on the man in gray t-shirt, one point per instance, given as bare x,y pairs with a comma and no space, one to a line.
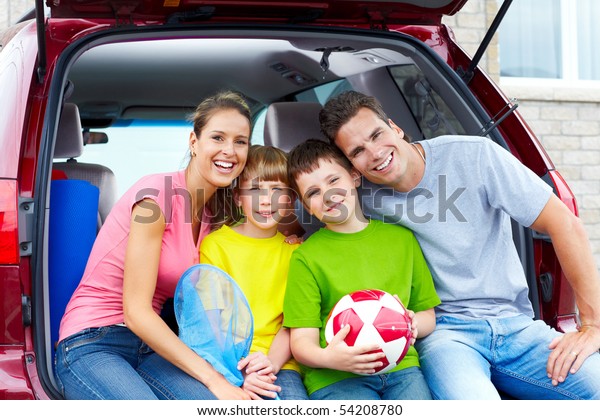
458,194
458,212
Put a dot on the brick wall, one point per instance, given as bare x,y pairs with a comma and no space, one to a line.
565,118
469,27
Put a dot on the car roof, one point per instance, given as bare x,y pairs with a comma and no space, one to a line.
125,80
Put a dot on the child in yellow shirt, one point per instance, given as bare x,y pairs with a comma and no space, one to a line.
257,257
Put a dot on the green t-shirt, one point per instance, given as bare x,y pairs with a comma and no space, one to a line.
330,265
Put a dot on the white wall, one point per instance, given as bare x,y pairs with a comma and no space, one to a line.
12,10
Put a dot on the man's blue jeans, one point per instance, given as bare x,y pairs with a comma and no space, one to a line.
113,363
476,358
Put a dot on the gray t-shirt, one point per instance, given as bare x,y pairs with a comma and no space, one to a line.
460,213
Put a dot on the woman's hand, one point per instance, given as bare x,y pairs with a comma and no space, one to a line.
259,377
223,390
258,386
139,286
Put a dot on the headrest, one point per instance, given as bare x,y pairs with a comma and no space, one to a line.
290,123
69,139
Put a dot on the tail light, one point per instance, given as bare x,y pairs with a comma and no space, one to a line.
563,191
9,234
562,310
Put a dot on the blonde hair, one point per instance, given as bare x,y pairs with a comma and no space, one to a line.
266,163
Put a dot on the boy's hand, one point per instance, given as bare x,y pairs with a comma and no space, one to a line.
357,359
258,386
293,239
413,323
413,326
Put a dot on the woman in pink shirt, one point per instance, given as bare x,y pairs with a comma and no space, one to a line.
113,344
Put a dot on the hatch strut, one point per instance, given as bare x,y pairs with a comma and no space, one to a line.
508,109
468,74
41,38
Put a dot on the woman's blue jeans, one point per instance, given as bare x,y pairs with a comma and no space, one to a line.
475,358
113,363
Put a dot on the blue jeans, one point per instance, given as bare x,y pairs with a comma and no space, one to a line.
476,358
292,387
405,384
113,363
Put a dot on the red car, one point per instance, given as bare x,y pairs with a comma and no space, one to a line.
100,91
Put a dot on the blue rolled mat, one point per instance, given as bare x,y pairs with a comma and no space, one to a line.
73,224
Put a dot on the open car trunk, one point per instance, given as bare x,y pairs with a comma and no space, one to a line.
124,65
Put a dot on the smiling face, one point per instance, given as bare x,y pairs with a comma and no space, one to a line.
264,204
378,151
329,193
220,152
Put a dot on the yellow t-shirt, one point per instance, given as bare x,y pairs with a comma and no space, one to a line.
260,268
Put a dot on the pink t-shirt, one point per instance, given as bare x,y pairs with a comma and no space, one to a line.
98,300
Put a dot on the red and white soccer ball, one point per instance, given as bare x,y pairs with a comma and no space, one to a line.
375,317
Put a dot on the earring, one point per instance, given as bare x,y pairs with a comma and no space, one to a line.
192,152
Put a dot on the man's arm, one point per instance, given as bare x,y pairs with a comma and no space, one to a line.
574,253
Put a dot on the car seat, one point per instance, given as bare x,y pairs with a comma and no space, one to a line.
288,124
69,145
81,195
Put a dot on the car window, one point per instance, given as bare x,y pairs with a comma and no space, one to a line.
550,39
141,148
323,92
432,114
258,129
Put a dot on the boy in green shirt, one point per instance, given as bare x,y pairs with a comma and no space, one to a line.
349,254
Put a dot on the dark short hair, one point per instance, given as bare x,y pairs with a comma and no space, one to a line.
304,158
342,108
